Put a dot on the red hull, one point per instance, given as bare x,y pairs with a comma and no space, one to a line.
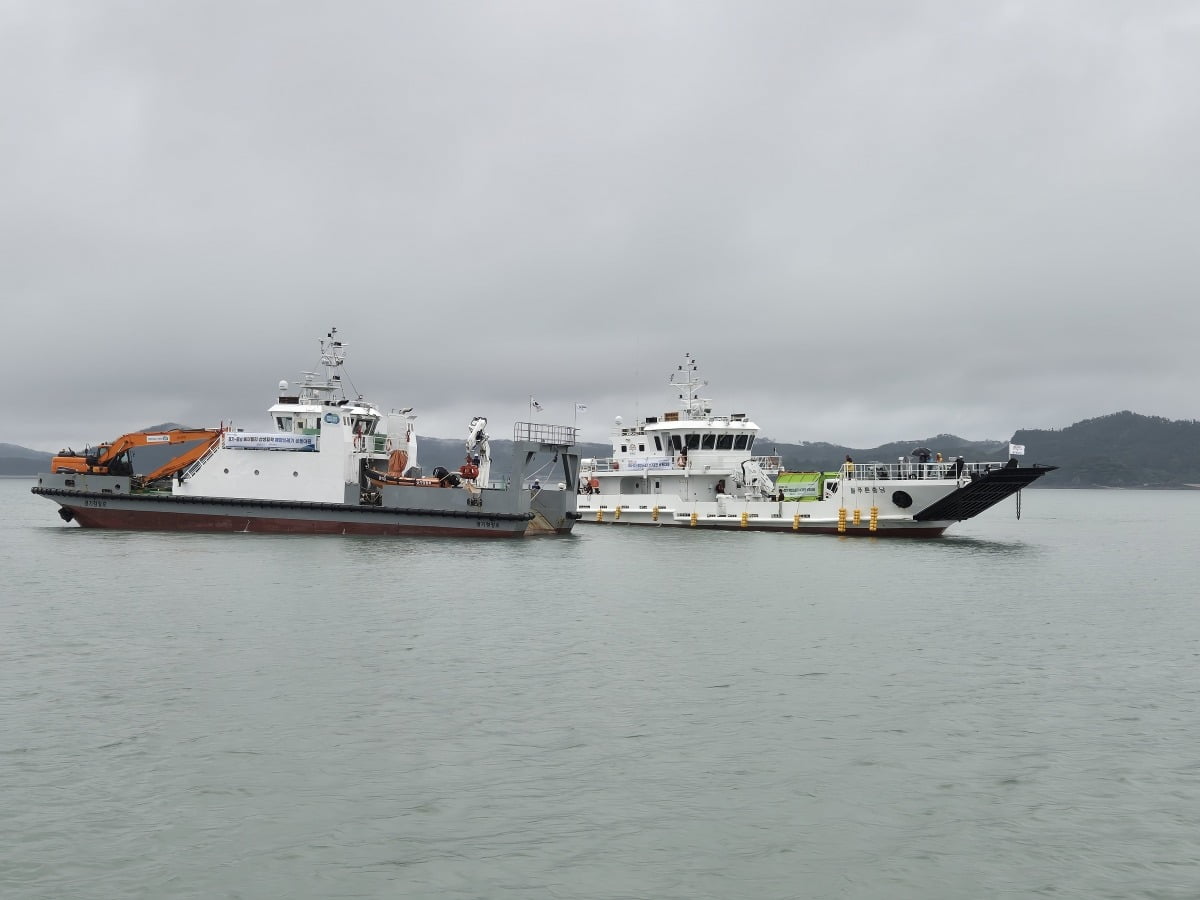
152,520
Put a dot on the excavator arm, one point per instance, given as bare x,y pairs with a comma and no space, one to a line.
185,459
113,458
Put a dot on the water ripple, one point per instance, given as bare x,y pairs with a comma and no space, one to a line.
1007,712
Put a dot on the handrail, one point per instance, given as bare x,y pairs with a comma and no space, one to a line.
539,433
696,460
199,463
909,471
773,465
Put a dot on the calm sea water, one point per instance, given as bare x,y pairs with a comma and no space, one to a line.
1010,711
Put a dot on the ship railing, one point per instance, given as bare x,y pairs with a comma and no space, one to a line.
699,461
199,463
609,464
916,471
770,464
539,433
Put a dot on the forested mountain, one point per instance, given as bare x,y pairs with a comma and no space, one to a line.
1123,450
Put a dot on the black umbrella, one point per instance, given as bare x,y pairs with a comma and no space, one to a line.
921,451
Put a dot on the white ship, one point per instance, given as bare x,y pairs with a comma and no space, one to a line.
691,468
328,464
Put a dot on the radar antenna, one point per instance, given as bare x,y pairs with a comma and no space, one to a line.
687,382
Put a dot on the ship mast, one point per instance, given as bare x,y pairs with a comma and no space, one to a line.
686,380
333,356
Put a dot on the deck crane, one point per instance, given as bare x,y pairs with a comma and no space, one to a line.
478,466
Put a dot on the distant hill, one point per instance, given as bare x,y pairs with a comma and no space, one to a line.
16,460
1124,450
1119,450
818,457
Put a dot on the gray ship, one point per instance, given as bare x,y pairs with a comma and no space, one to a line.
328,465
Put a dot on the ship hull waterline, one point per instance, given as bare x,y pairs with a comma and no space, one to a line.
940,504
132,513
908,529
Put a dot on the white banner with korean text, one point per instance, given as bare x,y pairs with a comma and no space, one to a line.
246,440
651,463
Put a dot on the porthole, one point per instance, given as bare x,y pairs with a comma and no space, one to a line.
256,471
295,474
902,499
226,471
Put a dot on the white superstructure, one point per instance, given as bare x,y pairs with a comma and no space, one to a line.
313,448
326,464
694,468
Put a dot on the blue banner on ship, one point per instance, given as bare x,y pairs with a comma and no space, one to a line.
242,440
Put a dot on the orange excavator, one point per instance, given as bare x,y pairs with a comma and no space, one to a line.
116,458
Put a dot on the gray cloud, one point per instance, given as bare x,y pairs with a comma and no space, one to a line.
867,220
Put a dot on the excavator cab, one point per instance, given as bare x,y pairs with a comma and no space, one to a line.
121,464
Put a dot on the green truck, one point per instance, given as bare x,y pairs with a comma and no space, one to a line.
800,486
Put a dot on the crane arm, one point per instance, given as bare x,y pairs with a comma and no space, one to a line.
185,459
100,459
149,438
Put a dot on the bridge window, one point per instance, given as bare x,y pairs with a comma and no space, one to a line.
693,442
658,443
725,442
739,442
709,442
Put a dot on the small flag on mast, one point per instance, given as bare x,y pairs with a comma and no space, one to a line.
537,406
1016,449
580,407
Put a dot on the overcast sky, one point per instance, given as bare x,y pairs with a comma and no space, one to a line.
867,220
